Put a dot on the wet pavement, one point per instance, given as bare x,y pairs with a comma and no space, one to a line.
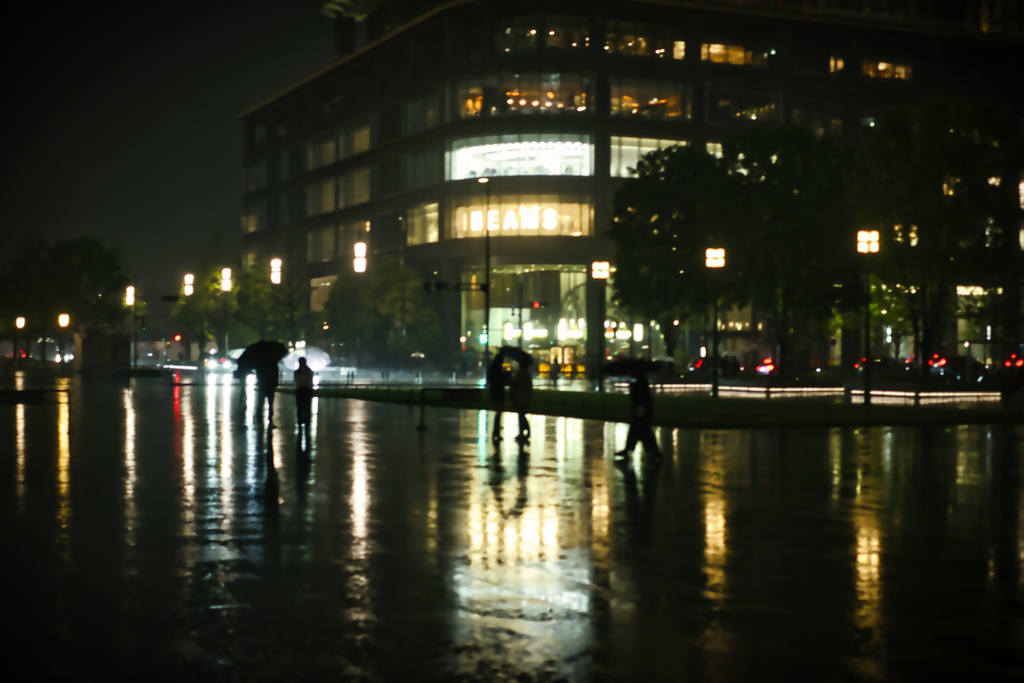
140,540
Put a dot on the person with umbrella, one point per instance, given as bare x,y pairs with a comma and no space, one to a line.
521,388
263,357
642,405
496,382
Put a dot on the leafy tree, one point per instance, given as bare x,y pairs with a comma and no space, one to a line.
937,181
792,236
662,220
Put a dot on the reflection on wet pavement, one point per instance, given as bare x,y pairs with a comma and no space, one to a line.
163,531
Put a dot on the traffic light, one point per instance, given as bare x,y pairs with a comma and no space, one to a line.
177,337
539,304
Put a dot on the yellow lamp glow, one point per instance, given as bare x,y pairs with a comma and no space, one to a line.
63,319
714,258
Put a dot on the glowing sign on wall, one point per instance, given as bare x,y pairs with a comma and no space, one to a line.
531,218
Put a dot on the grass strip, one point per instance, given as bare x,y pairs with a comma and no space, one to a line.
692,411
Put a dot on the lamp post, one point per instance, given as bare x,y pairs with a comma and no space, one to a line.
225,287
867,244
487,272
19,324
63,319
714,258
129,300
275,271
599,271
189,287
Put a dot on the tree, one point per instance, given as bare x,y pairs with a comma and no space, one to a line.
793,236
662,220
937,181
206,314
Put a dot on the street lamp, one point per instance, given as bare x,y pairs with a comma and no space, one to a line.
867,244
714,258
189,284
359,260
19,324
599,272
225,280
63,319
487,270
275,271
225,287
129,300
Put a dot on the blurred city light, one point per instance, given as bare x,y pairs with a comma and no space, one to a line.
275,271
359,262
714,258
63,319
225,280
189,280
599,270
129,296
19,322
867,241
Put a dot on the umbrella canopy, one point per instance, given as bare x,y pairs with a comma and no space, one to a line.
517,354
316,359
234,354
262,354
630,366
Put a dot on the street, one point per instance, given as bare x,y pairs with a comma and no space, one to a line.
143,540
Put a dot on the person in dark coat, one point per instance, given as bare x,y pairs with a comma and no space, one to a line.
641,419
496,382
266,385
303,392
521,395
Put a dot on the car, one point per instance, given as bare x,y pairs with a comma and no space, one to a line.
217,363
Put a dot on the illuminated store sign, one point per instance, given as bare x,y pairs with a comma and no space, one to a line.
520,215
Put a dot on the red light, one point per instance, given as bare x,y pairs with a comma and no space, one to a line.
222,360
536,304
931,362
1020,362
767,361
701,362
942,362
770,367
177,337
1008,363
856,365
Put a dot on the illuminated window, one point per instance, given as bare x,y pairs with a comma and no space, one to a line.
728,103
640,40
320,291
824,117
322,150
254,219
355,139
256,176
518,34
567,33
351,233
526,93
422,224
320,197
737,55
835,64
354,188
515,215
678,49
874,69
714,149
626,152
526,154
649,99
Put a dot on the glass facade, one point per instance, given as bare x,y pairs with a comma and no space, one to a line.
729,103
626,152
516,155
737,55
567,33
516,34
873,69
422,224
559,322
642,40
521,93
649,99
514,215
320,197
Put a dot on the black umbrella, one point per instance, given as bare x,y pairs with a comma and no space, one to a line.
262,354
630,366
516,354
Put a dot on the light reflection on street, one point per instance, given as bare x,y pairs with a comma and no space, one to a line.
64,462
129,466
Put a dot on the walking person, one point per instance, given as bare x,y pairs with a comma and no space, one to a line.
496,382
266,385
303,393
521,394
641,419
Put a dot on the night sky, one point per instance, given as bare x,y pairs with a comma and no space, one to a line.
123,119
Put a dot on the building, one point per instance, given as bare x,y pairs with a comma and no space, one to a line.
553,102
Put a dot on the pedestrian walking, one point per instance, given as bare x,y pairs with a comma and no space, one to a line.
641,419
266,385
496,381
555,369
520,395
303,392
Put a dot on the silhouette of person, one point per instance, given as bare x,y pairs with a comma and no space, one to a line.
640,421
521,394
496,392
266,385
303,392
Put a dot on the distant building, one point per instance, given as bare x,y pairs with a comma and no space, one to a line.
554,102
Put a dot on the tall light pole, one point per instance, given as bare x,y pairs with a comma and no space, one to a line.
714,259
867,244
599,272
225,287
129,300
63,319
487,272
19,324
